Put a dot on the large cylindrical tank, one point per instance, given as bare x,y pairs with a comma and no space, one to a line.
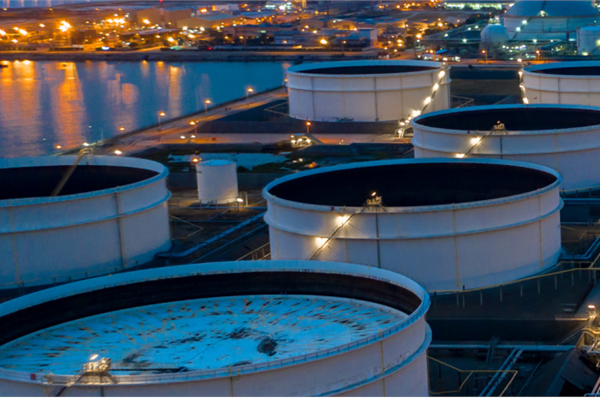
268,328
217,182
367,90
562,83
549,20
448,224
563,137
588,41
111,214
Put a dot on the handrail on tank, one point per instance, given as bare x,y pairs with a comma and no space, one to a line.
82,153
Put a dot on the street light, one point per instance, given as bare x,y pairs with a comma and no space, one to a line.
307,126
206,103
248,91
160,114
195,126
485,54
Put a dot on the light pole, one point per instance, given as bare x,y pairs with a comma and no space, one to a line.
206,103
195,127
307,126
160,114
248,91
537,54
485,54
343,43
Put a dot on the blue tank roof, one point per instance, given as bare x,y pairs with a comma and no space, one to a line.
552,8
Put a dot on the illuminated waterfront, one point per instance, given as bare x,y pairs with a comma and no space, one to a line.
44,104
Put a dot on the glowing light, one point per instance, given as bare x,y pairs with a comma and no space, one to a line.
320,241
182,136
93,357
86,144
121,128
146,22
475,140
323,41
436,87
58,146
459,155
342,219
427,100
525,100
442,74
118,152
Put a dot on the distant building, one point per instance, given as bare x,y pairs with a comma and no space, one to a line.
209,21
160,16
225,7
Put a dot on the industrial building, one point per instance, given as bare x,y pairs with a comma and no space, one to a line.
282,328
575,82
61,224
548,20
367,90
448,224
562,137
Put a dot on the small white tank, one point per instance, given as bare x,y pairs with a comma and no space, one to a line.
217,181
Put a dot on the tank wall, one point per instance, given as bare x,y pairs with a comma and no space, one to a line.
84,237
546,28
574,154
375,98
587,42
544,88
442,250
217,184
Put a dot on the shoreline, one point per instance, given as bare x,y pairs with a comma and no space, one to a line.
220,56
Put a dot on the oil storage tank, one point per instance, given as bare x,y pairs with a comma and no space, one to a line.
574,82
367,90
217,181
588,41
110,214
263,328
563,137
448,224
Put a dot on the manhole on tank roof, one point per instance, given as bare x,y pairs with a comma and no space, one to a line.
201,334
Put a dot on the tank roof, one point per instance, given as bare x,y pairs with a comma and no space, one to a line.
412,184
237,309
202,334
20,183
572,68
365,67
31,180
514,118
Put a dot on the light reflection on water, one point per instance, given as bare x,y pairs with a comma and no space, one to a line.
43,104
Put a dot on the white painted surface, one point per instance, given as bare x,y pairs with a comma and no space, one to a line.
541,88
588,41
391,361
574,152
372,97
442,247
217,181
45,240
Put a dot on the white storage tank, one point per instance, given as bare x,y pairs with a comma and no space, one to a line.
563,137
588,41
111,214
217,181
367,90
448,224
549,20
562,83
262,328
